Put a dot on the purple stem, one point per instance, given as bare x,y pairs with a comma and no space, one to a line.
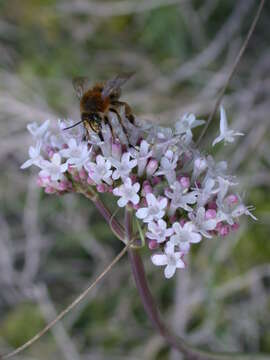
117,228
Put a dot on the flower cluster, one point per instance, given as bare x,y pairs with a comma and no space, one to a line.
179,194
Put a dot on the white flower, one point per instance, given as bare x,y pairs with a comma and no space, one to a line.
76,132
224,185
184,236
201,224
158,231
242,209
168,165
106,144
215,169
155,209
224,213
38,132
180,198
53,169
186,123
76,154
171,259
100,170
142,156
127,193
225,133
123,167
162,139
206,192
200,165
34,155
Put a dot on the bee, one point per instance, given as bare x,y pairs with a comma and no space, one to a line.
96,103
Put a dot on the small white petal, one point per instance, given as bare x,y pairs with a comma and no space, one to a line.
159,259
169,271
142,213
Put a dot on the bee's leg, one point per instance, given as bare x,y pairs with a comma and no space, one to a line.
106,121
87,128
128,110
120,121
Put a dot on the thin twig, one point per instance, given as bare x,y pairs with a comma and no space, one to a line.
67,309
237,60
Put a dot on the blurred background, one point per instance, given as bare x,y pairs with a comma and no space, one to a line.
53,247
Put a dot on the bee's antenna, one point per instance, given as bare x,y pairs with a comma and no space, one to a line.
72,126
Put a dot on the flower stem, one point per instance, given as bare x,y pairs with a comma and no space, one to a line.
114,224
116,227
150,307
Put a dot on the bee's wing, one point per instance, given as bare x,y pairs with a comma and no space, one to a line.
115,83
80,85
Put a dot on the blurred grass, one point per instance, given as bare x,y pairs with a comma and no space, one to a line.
48,47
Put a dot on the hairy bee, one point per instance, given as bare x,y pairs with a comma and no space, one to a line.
96,102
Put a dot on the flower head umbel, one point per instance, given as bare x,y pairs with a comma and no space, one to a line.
178,194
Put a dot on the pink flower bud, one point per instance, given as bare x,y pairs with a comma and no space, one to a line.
182,222
173,219
235,227
71,170
51,153
116,150
187,156
49,150
40,182
136,207
133,178
212,205
83,174
90,181
49,190
152,244
219,226
101,188
43,181
63,185
210,214
147,188
232,199
224,230
156,180
151,167
184,181
76,177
